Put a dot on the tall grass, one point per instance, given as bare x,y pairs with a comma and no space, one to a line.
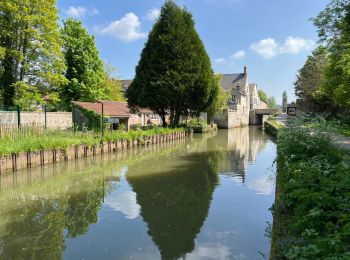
34,140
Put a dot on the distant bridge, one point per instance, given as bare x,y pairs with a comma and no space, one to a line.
257,116
265,111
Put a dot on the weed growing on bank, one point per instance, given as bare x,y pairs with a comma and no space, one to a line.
56,139
312,209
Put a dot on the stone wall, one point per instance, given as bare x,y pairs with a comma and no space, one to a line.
60,120
231,119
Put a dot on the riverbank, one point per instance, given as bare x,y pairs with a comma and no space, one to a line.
311,211
52,147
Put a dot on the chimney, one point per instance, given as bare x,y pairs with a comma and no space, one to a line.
245,70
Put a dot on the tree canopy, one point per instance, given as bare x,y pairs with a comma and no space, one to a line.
311,76
84,65
333,25
271,102
112,86
262,95
30,47
221,97
174,73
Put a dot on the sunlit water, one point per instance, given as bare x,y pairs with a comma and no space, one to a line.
206,197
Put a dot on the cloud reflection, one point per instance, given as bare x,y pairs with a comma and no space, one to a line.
125,203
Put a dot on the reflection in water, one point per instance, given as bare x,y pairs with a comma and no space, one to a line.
175,201
34,218
167,193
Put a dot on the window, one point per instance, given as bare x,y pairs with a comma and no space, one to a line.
153,116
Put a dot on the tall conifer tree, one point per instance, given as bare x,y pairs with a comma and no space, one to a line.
174,73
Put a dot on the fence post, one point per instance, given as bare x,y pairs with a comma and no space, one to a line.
73,117
102,123
18,117
45,116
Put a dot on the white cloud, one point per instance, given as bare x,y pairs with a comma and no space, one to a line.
126,29
238,55
296,45
80,11
267,48
220,60
153,14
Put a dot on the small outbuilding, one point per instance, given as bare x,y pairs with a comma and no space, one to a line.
116,113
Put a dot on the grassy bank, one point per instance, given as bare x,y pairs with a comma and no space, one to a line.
54,139
312,209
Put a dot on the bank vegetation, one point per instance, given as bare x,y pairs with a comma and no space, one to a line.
312,208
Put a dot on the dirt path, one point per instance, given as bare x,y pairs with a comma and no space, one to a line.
342,141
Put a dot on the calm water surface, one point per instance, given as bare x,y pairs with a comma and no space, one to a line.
206,197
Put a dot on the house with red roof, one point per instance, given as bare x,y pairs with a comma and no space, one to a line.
116,113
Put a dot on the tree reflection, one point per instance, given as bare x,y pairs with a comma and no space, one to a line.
34,225
175,200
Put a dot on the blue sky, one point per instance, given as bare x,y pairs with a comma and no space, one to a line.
271,37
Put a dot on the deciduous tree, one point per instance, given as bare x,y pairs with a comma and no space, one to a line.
262,95
220,99
30,46
333,25
311,76
84,66
111,85
271,102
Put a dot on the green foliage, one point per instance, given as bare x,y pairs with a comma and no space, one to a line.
84,66
333,25
220,99
27,97
54,139
262,95
30,46
271,102
94,119
310,78
312,206
112,86
174,72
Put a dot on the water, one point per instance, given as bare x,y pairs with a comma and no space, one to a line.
206,197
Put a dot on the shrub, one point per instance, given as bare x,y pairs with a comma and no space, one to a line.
313,202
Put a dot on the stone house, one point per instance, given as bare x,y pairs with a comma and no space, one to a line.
244,98
115,113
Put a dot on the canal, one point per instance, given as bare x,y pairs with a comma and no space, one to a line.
204,197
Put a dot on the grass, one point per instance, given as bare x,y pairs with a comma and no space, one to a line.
272,121
54,139
312,208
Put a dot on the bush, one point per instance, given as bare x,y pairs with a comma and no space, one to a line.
312,206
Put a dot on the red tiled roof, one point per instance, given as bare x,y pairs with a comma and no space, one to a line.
110,108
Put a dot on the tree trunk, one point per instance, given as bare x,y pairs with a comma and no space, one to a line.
7,80
177,119
171,116
162,116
